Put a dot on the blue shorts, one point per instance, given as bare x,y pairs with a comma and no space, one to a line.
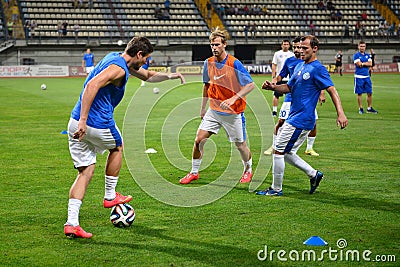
362,86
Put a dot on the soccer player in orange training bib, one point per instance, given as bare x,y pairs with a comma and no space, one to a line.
226,84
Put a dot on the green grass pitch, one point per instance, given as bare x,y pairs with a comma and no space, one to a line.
357,201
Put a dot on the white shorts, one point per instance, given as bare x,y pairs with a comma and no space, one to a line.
289,138
95,141
89,69
234,125
285,109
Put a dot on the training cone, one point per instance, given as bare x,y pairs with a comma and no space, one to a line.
64,132
315,241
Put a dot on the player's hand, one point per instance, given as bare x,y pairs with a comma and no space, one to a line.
267,85
226,104
80,132
342,121
202,113
177,75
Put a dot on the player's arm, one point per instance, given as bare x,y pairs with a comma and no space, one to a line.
83,64
154,76
246,85
204,100
241,94
284,72
282,88
322,97
341,117
274,79
367,64
112,74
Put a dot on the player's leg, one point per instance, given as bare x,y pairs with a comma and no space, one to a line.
359,90
197,154
369,100
245,154
368,86
78,188
198,149
311,139
283,114
275,103
310,142
113,167
84,158
76,195
235,128
288,138
208,126
359,101
109,139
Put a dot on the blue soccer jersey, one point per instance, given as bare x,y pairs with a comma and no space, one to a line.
305,85
361,72
108,97
89,59
288,69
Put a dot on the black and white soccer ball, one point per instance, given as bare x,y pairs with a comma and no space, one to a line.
122,215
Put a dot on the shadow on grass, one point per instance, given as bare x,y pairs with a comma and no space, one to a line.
190,250
344,200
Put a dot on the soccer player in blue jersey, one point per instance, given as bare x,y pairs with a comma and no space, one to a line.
362,79
287,71
92,129
88,61
305,85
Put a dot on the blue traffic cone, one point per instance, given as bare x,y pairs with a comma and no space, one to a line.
315,241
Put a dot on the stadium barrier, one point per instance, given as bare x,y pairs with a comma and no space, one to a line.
77,71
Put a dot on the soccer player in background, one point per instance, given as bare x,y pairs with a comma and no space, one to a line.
277,63
146,67
287,71
338,62
362,80
88,61
373,55
226,84
308,79
92,129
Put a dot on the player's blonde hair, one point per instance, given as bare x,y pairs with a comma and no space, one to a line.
217,32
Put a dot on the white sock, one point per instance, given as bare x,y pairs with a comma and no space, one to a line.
278,169
110,185
310,142
295,160
195,165
275,108
248,165
74,205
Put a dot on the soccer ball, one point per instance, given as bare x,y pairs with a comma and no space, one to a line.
120,42
156,90
122,215
43,86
